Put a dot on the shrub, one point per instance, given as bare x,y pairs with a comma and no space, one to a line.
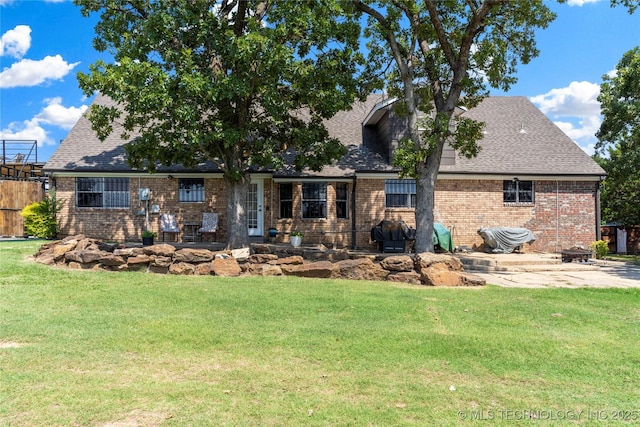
600,248
40,217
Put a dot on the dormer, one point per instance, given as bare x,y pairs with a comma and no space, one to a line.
383,130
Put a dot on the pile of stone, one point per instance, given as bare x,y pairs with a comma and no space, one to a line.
80,252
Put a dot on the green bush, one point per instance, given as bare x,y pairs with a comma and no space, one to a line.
40,217
600,248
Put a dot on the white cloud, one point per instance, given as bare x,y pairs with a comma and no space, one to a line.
31,73
16,42
57,115
578,105
53,114
578,99
581,2
27,130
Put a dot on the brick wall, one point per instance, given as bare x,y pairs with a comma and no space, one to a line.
127,224
563,214
464,206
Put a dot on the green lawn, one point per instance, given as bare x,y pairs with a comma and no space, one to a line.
125,349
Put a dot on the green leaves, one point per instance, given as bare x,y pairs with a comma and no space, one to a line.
618,144
200,82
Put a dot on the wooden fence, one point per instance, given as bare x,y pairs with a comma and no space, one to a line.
14,196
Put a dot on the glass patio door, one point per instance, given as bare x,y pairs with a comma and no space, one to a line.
255,200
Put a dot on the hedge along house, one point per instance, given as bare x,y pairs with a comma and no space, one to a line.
528,174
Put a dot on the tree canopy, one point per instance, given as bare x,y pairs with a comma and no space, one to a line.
233,82
618,147
439,55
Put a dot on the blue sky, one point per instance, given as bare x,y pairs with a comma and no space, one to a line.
44,44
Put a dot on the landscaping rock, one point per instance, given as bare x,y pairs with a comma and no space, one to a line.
262,258
203,269
182,268
138,260
112,260
162,249
241,254
59,250
320,269
430,269
127,252
397,263
160,261
264,270
225,266
291,260
193,255
85,256
359,269
410,277
426,259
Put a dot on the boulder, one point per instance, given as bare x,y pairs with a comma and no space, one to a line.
426,259
85,256
291,260
397,263
203,269
241,254
162,249
264,270
320,269
138,260
112,260
59,250
46,258
160,261
439,274
410,277
127,252
182,268
225,266
359,269
262,258
193,255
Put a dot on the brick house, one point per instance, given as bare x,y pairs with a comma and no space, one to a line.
528,174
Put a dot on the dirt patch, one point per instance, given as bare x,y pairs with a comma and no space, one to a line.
11,344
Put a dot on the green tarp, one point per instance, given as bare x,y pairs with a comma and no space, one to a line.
442,237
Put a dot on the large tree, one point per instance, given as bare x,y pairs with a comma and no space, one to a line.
437,56
229,81
618,147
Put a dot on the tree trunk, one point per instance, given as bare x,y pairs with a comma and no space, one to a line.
237,231
425,199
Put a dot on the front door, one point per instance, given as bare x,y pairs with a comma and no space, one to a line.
255,201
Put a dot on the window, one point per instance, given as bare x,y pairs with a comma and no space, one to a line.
517,191
191,190
286,200
102,192
400,193
342,200
314,200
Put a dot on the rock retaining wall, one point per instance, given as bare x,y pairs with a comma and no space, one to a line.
80,252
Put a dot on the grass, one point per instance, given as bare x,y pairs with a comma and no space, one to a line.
633,259
113,349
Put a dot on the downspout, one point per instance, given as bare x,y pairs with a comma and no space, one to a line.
354,233
598,211
557,217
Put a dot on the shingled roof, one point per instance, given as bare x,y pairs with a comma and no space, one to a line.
542,149
521,140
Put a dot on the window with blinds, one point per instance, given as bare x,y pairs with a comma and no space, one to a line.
102,192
